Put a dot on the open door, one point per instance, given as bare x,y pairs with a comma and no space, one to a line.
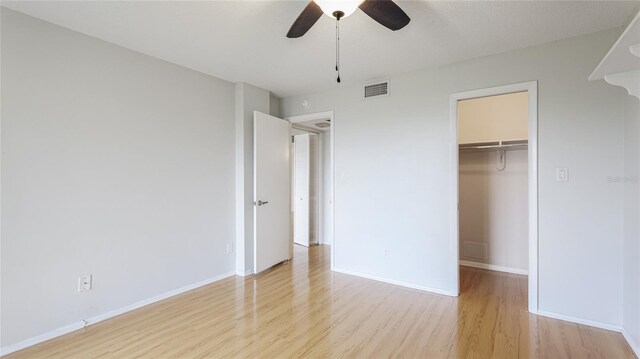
272,190
301,189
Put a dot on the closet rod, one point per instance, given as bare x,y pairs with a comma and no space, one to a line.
494,145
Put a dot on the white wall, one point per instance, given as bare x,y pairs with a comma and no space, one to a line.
274,105
114,164
630,181
393,186
494,207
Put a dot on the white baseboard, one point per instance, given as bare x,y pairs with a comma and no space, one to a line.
110,314
632,343
616,328
157,298
245,274
395,282
591,323
41,338
494,267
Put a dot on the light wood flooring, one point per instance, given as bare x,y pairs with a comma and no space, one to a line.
302,309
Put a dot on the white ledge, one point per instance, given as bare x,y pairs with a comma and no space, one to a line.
621,65
630,80
624,55
635,50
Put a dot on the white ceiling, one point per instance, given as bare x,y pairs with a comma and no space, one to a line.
245,40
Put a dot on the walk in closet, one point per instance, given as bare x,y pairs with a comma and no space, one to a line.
493,182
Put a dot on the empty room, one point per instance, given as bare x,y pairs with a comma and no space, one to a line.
320,179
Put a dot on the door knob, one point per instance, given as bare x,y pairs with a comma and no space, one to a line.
261,203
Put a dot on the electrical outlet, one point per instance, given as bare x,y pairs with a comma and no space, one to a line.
386,252
229,247
85,283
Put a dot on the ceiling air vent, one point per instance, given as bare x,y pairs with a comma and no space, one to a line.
376,89
322,124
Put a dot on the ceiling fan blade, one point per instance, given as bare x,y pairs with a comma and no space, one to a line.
305,20
386,12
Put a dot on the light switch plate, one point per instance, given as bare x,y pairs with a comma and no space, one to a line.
562,174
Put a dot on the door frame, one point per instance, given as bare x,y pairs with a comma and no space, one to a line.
317,116
531,87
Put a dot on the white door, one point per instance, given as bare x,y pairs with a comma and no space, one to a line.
301,189
272,190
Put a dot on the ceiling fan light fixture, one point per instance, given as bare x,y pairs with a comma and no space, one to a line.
385,12
347,7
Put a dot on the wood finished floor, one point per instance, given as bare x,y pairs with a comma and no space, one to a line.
302,309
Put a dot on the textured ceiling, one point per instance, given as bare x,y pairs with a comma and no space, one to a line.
245,40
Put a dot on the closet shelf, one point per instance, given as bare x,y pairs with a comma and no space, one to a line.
494,145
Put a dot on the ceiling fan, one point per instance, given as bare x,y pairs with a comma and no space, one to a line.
385,12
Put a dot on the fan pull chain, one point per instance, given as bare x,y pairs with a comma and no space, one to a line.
338,47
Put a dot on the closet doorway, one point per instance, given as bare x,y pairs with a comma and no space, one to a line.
312,179
495,173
